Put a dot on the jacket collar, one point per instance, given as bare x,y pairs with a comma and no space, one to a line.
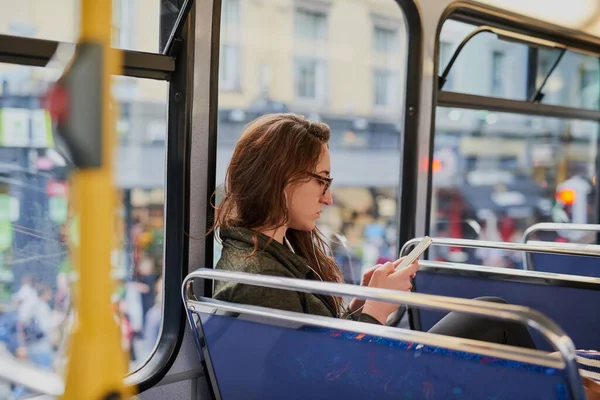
296,264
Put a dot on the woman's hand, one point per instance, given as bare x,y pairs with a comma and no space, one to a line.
356,304
386,277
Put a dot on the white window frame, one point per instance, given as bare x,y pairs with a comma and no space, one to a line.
320,80
392,91
230,51
498,71
122,23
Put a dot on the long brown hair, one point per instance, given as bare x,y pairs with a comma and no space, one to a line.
274,151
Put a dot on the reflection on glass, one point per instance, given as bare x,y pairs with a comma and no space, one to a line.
486,65
37,221
347,75
506,172
574,82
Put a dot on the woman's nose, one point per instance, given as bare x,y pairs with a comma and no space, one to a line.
327,198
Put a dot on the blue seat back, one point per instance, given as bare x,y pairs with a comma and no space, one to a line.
572,304
564,264
250,359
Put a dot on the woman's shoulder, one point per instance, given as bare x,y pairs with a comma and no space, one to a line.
244,259
240,257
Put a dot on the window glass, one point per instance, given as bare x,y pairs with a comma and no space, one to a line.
135,23
139,178
489,66
446,51
37,221
311,24
489,63
574,82
351,76
496,174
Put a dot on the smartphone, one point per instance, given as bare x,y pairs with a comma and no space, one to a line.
415,253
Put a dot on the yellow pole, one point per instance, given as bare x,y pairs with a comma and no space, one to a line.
97,364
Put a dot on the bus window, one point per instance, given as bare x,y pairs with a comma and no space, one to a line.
501,172
139,178
37,222
507,172
493,62
574,83
350,76
493,71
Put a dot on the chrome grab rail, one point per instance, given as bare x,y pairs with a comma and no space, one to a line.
515,273
590,250
553,227
536,320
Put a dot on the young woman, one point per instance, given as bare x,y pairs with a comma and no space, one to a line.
276,187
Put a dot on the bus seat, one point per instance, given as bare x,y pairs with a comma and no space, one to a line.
569,301
259,353
565,264
251,359
547,233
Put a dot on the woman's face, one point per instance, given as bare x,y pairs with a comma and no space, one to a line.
306,198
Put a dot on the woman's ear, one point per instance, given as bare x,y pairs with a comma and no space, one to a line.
288,192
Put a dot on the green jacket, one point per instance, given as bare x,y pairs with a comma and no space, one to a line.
276,260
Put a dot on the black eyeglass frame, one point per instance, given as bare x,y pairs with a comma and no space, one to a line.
325,179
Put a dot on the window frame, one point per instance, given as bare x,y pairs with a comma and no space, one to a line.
232,47
315,8
410,141
408,155
320,80
478,15
173,67
38,52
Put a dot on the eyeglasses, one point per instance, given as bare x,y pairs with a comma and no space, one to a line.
325,179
